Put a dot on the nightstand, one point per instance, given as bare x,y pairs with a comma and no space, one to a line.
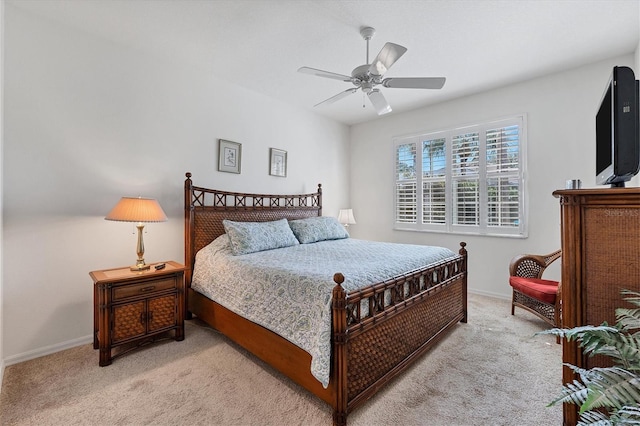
131,308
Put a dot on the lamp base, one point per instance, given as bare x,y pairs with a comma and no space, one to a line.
140,268
140,265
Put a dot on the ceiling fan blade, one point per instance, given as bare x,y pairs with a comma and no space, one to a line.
338,96
379,102
326,74
414,82
389,54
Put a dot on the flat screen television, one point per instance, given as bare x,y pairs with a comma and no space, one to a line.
618,130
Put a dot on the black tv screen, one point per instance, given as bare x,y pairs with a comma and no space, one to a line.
618,130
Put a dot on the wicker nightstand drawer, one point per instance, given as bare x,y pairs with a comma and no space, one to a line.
132,308
141,289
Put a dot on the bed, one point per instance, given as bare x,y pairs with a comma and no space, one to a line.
376,331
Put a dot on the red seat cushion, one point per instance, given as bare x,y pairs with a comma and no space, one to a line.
543,290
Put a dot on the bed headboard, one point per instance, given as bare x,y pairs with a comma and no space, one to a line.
205,209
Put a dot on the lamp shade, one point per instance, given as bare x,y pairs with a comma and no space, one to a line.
139,209
345,217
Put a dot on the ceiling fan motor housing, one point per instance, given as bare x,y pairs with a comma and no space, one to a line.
361,75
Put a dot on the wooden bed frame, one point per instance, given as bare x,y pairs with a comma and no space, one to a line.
367,351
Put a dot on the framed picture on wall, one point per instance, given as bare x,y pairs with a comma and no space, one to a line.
229,156
277,162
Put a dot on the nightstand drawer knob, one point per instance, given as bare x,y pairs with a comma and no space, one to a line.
147,289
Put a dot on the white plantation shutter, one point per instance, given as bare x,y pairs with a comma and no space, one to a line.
503,205
465,178
503,153
406,183
471,180
434,172
503,176
434,205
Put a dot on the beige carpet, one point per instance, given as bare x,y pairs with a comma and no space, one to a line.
490,371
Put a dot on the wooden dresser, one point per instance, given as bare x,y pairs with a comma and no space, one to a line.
600,257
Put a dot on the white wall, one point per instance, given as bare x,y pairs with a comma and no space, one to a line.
1,162
88,121
560,111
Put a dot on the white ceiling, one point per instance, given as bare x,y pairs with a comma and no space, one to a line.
260,44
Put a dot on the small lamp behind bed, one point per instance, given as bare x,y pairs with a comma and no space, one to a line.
138,210
346,218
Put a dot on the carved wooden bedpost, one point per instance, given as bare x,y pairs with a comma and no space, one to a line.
463,253
339,308
188,240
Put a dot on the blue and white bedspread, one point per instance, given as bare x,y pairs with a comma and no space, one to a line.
256,285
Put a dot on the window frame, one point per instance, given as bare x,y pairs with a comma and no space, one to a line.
483,178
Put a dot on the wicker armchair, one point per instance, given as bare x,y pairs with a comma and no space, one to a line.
531,292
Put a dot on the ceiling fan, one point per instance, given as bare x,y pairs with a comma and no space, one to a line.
368,76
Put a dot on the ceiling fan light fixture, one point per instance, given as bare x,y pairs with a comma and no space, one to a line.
378,101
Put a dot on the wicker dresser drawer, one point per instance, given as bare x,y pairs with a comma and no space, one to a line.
141,289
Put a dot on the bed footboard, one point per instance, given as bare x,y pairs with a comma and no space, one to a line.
402,319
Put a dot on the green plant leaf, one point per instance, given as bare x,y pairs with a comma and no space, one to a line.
611,387
572,393
628,319
630,296
575,332
627,415
593,418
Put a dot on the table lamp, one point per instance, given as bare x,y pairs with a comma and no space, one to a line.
138,210
346,218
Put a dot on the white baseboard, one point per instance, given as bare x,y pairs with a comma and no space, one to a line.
1,373
490,294
46,350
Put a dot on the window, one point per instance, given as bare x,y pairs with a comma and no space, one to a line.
465,180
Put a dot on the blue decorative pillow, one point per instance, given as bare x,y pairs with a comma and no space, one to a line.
316,229
249,237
